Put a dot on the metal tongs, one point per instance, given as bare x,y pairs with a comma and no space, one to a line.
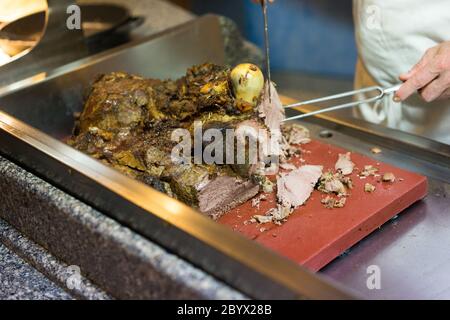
381,92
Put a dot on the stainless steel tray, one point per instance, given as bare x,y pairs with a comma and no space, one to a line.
38,113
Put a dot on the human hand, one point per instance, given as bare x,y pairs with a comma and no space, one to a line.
430,76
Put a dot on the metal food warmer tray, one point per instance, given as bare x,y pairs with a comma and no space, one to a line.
38,113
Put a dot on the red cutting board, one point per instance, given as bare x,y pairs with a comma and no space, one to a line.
314,235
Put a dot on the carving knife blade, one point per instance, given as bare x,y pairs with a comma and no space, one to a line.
267,46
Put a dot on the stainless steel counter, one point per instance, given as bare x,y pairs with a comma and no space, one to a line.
416,249
413,250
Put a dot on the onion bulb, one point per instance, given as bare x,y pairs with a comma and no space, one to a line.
248,82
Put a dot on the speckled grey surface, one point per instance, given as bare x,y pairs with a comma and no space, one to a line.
118,260
20,281
65,276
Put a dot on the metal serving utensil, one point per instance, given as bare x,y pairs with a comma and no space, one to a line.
381,92
267,46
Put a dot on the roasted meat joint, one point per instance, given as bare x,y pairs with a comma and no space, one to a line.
210,139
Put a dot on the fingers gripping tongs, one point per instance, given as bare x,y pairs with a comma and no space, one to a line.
378,92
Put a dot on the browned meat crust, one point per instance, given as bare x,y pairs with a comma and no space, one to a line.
127,122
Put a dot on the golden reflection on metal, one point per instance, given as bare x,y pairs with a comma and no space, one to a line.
4,58
15,9
173,207
23,83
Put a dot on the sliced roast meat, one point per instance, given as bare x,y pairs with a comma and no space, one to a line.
344,164
272,112
295,187
332,183
295,133
271,109
224,193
